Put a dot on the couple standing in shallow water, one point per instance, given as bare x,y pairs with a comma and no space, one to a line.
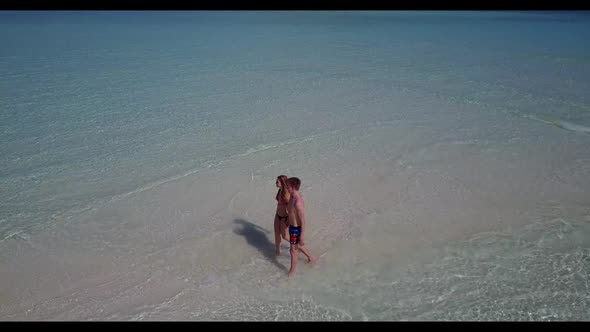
290,220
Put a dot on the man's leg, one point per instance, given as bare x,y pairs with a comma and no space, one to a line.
310,258
294,252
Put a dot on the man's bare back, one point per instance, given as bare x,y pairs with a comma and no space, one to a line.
292,210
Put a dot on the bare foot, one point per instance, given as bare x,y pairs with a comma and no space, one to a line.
278,252
291,273
311,260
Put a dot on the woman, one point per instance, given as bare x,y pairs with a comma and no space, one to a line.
281,217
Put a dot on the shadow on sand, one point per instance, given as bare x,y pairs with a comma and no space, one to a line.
256,237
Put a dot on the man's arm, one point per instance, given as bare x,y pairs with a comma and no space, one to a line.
301,214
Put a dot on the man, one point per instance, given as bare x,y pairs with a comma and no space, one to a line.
297,223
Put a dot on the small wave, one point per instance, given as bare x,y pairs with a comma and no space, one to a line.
560,124
249,151
573,127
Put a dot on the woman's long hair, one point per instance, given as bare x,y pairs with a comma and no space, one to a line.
283,180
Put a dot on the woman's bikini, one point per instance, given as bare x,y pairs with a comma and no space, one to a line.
281,201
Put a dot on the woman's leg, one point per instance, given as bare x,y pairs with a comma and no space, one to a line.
277,236
284,231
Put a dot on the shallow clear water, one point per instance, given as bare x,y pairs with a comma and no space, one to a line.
112,122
